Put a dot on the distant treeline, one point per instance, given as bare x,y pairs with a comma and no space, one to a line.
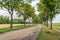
6,20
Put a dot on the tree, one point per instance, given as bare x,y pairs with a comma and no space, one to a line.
50,8
43,12
29,11
36,19
51,5
26,10
10,6
42,18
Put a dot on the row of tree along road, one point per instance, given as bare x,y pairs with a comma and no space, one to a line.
47,10
21,7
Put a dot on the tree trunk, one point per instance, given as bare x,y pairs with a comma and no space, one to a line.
51,20
29,22
51,23
11,21
47,21
11,18
24,21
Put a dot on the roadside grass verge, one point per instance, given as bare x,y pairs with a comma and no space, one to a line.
47,34
4,30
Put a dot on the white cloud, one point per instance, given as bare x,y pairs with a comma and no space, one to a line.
34,4
57,19
5,13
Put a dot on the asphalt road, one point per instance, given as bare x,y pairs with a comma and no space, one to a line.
22,34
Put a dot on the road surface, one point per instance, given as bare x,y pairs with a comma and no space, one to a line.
22,34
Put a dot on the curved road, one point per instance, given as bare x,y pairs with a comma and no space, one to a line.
22,34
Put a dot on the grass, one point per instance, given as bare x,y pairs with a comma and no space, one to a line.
57,26
47,34
4,30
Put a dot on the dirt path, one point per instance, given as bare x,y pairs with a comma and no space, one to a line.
8,25
23,34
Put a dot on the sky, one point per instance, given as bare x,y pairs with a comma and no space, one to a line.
5,13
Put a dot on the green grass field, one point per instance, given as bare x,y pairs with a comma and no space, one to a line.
57,26
3,30
47,34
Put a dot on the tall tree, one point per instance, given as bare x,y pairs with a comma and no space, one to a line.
43,12
51,5
26,10
10,5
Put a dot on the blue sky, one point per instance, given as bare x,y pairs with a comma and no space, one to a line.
5,13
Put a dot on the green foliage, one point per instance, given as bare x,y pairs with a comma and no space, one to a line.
11,5
18,21
4,20
42,17
22,7
52,6
25,10
47,10
36,19
43,12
